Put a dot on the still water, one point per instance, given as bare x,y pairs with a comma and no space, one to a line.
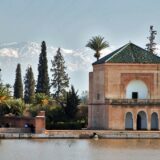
71,149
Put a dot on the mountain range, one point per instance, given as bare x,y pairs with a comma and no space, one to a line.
78,62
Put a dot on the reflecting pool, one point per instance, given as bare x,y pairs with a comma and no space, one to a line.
80,149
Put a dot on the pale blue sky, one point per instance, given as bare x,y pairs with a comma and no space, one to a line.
70,23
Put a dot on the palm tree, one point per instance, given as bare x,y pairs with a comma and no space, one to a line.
97,43
4,92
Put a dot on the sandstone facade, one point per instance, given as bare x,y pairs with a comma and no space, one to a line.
124,96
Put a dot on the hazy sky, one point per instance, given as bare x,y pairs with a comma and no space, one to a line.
70,23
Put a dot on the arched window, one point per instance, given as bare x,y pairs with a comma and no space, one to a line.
136,89
154,121
129,121
141,121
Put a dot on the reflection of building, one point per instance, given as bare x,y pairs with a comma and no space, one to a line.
124,90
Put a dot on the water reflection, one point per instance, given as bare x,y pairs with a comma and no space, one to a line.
78,149
126,143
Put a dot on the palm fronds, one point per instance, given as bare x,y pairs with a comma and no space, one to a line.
97,44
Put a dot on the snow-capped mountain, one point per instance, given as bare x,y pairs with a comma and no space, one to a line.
78,61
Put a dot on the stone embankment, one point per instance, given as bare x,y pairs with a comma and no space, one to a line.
101,134
15,130
78,134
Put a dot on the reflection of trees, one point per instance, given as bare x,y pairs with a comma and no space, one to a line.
105,143
68,142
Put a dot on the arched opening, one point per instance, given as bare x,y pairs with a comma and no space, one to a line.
136,89
154,121
129,121
141,121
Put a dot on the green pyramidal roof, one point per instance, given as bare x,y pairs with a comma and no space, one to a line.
130,53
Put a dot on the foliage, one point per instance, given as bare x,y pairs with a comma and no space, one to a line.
151,45
97,44
60,79
40,103
41,98
34,109
84,97
72,102
8,104
57,119
82,113
18,86
14,106
43,78
54,115
29,86
5,92
4,109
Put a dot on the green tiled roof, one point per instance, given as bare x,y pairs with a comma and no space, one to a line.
130,53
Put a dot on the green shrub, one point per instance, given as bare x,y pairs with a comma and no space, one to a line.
14,106
4,109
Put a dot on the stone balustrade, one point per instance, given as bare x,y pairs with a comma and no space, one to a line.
133,101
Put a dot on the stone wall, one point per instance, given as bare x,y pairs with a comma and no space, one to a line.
98,117
15,130
16,122
101,134
118,76
117,115
109,81
36,124
40,122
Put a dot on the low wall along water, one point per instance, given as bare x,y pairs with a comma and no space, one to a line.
23,124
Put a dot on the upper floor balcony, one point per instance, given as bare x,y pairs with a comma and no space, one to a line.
133,102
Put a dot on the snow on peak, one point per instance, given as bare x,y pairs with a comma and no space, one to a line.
80,59
27,53
8,52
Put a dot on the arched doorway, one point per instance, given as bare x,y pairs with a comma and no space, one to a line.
136,89
141,121
154,121
128,121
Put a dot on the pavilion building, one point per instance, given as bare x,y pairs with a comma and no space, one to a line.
124,90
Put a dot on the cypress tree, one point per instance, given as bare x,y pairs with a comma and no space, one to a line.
29,86
43,78
72,102
60,79
18,86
